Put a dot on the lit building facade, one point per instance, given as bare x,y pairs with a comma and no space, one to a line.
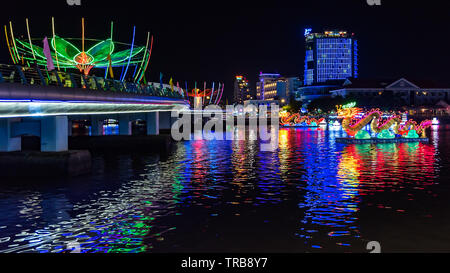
266,88
332,55
242,90
414,93
274,87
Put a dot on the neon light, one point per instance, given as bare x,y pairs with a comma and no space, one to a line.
363,134
143,58
349,105
296,120
221,94
82,34
9,47
131,54
54,35
353,123
212,94
412,134
101,50
148,61
386,134
218,94
69,56
110,50
14,41
308,31
29,38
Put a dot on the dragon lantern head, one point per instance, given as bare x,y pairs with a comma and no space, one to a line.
348,112
284,114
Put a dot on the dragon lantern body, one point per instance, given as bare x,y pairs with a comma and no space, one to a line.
352,125
290,120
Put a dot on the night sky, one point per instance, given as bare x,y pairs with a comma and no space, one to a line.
215,40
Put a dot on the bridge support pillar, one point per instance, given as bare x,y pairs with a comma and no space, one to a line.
54,134
125,127
165,120
96,126
8,143
153,123
69,127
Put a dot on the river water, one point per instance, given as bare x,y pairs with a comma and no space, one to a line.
312,195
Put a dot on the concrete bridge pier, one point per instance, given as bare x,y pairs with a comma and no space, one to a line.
97,125
54,134
165,120
54,157
69,127
8,143
152,123
125,125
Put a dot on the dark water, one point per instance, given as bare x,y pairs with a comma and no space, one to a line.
312,195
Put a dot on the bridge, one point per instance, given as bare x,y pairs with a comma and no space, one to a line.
45,103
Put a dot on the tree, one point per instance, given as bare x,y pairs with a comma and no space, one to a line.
326,104
386,101
293,107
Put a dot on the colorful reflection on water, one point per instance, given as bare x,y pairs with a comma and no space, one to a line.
313,194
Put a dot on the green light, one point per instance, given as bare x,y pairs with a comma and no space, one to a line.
349,105
64,48
386,134
101,50
363,134
70,55
412,134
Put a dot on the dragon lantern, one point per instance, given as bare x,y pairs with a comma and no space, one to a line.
355,121
298,120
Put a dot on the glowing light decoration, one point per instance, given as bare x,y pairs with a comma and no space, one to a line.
99,53
435,121
308,31
208,96
349,105
386,134
363,134
360,125
412,134
296,120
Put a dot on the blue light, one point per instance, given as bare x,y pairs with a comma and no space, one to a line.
307,31
330,57
334,59
355,53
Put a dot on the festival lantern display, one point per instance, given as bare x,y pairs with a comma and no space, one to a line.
296,120
374,124
208,96
83,54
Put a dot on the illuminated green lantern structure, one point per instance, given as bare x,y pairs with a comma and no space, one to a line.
70,53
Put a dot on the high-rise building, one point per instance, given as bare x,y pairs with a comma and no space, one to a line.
292,86
242,90
267,87
276,87
332,55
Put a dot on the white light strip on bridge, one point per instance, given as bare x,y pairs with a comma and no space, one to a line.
40,109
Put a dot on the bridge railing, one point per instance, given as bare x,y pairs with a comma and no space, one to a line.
36,76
